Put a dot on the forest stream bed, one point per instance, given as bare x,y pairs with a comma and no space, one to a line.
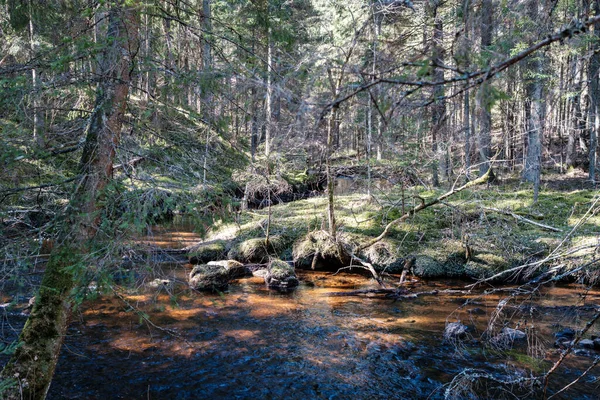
168,341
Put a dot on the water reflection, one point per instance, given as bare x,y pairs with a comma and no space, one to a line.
254,343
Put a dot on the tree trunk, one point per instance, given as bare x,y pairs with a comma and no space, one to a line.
594,97
32,366
330,178
483,111
535,120
38,114
438,112
578,122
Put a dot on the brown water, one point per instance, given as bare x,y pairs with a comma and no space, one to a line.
254,343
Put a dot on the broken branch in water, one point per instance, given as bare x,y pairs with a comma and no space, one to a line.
397,293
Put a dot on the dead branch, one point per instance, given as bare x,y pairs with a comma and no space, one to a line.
568,351
481,180
131,163
397,293
596,361
523,219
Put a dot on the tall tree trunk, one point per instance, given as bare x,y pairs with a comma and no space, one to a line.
536,114
207,72
594,96
269,97
482,99
438,112
330,178
578,122
32,366
38,114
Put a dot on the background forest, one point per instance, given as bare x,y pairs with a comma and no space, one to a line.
117,115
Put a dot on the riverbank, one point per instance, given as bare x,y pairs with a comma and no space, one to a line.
487,232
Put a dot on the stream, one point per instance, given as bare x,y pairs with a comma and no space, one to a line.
251,342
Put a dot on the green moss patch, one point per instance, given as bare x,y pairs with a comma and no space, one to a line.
208,251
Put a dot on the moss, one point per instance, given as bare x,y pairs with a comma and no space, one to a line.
321,244
42,335
280,275
206,252
257,251
385,256
211,278
280,269
437,232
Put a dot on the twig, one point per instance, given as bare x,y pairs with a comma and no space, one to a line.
148,320
596,361
565,353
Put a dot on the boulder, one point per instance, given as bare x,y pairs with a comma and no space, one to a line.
210,278
329,254
566,333
280,275
586,343
455,330
508,337
597,344
234,268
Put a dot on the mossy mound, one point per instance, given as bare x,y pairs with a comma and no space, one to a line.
384,256
280,275
205,252
257,250
234,268
329,253
485,265
209,278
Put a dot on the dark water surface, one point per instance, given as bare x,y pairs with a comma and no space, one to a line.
252,343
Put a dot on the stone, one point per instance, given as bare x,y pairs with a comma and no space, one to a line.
513,334
566,333
477,311
508,337
586,343
455,330
210,278
597,344
280,275
234,268
205,252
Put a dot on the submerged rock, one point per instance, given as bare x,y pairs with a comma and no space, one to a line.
566,333
455,330
586,343
280,275
211,278
508,337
